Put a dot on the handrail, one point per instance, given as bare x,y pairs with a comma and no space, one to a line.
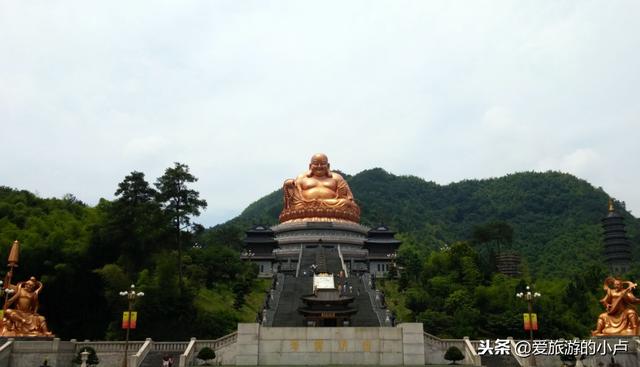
136,359
521,361
109,346
299,260
220,342
365,281
271,312
5,349
169,346
188,353
471,352
344,268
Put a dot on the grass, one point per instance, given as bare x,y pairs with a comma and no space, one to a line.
254,300
395,300
221,298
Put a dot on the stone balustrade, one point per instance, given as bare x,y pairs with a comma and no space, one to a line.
406,344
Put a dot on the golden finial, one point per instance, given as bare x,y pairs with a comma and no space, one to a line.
611,205
14,253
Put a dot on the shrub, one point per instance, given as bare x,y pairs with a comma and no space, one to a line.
206,354
453,354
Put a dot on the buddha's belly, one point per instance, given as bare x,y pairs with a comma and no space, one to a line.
319,193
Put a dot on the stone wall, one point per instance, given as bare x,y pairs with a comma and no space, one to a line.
34,353
402,345
57,353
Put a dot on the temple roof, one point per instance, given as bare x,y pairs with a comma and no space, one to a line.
259,234
382,235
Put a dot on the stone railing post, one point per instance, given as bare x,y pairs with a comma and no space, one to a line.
186,356
136,359
248,340
524,362
412,344
474,358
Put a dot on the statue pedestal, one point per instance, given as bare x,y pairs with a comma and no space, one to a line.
630,357
27,338
294,237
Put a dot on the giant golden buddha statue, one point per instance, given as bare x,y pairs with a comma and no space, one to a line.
318,195
621,317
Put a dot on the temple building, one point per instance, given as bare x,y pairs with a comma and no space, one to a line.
361,249
617,247
319,237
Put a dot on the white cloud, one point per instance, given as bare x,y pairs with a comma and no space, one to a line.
145,146
583,162
443,90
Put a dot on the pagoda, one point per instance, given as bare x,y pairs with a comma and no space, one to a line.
617,247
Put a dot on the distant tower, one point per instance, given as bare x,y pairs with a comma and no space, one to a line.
508,263
617,247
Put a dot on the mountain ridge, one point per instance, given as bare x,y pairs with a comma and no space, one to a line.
555,215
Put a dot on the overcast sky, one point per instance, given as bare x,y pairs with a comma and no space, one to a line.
244,92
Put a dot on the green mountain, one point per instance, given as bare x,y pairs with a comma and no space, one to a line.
99,251
555,216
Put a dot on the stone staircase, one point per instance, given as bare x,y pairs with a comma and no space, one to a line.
154,359
499,361
334,266
286,313
158,350
366,315
378,308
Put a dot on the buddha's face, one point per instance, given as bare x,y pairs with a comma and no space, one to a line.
617,285
319,165
30,285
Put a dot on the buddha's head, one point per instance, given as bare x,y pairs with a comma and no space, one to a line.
30,285
319,166
617,284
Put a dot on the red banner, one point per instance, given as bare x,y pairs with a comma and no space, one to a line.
534,321
125,320
129,322
134,319
530,323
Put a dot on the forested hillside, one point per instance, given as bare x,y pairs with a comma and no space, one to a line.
451,233
555,216
86,255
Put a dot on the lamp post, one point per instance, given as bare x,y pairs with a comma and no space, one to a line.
131,297
247,254
529,297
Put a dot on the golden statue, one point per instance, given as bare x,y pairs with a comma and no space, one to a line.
318,195
621,317
21,304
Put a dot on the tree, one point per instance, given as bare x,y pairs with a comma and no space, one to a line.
453,354
499,232
135,222
135,189
206,354
179,202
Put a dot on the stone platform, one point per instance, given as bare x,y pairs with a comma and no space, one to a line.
278,346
